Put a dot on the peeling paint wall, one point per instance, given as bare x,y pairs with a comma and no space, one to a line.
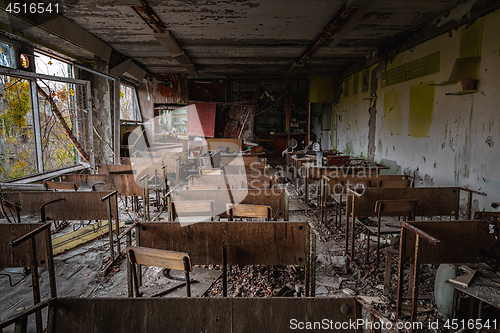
102,110
448,140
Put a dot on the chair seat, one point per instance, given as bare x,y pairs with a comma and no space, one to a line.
386,227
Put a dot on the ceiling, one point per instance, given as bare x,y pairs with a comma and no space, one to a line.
260,37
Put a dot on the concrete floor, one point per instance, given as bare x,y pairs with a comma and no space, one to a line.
79,274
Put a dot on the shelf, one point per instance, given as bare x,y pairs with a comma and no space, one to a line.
446,83
464,92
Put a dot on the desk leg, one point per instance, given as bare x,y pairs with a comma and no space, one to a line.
414,294
306,190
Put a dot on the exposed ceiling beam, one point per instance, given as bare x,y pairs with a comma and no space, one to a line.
164,37
351,23
334,26
148,15
128,66
58,25
168,42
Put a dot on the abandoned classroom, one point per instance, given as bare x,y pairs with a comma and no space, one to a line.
250,166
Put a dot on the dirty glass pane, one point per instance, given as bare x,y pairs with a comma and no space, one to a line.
58,98
128,104
17,141
7,55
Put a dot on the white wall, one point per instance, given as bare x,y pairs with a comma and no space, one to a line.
462,146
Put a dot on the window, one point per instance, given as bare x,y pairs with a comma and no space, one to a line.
128,104
17,141
58,99
7,55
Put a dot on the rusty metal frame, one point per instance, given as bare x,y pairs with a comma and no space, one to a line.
422,238
171,236
351,212
20,320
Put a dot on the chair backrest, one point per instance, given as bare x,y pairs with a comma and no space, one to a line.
211,172
202,187
256,183
191,208
248,211
160,258
60,186
393,183
403,207
486,215
356,183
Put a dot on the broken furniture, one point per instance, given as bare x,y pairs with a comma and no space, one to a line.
432,201
239,159
201,187
335,186
247,243
479,299
436,243
393,208
195,314
276,199
315,172
74,206
191,209
29,244
234,181
125,184
248,211
60,186
144,256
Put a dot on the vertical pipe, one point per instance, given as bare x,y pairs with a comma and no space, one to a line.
224,271
35,284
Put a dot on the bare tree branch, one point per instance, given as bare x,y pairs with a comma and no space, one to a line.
57,113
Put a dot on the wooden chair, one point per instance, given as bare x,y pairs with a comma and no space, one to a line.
399,208
392,183
202,187
160,258
191,209
60,186
248,211
339,198
487,216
